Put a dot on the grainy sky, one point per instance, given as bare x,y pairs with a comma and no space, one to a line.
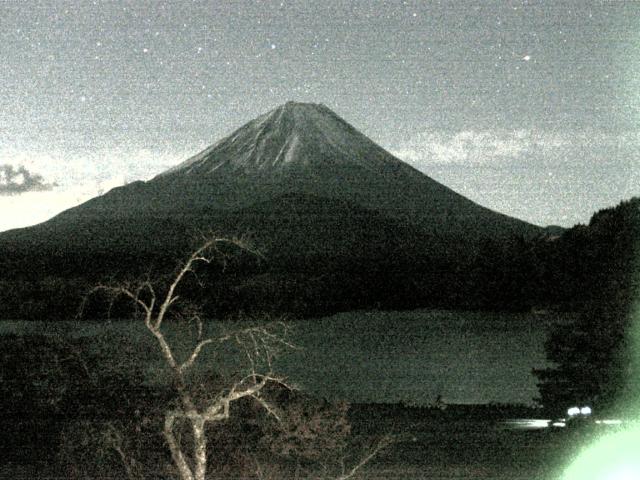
529,108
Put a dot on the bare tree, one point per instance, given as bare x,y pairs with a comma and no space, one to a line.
258,343
196,409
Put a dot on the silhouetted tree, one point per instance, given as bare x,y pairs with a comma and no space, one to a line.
592,354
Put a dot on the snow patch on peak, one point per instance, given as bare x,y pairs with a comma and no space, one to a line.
291,136
293,143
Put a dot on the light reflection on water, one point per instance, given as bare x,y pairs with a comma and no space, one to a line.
527,423
539,423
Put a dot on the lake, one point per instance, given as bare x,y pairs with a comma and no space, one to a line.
414,356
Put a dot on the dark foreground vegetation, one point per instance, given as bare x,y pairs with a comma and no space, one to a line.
73,412
70,411
76,408
596,355
321,257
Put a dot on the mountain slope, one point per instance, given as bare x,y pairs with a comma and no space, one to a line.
342,224
303,149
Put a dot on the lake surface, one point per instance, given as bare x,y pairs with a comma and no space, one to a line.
466,357
415,356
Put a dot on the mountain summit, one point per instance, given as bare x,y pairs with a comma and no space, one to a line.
292,137
305,148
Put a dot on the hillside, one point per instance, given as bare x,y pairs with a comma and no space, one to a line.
318,198
302,149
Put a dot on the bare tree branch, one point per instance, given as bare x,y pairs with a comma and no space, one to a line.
383,443
199,255
113,438
194,355
269,409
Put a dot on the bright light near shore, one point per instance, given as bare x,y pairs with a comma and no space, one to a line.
614,457
573,411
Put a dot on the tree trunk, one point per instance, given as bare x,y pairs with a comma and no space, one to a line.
176,451
200,447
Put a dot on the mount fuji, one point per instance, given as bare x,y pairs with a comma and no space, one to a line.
327,207
305,150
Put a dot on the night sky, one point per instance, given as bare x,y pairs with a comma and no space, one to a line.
529,108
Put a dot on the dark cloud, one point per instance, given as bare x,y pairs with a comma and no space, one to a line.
14,181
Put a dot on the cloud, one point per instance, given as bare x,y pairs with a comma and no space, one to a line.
502,148
15,181
74,168
471,147
72,178
542,176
